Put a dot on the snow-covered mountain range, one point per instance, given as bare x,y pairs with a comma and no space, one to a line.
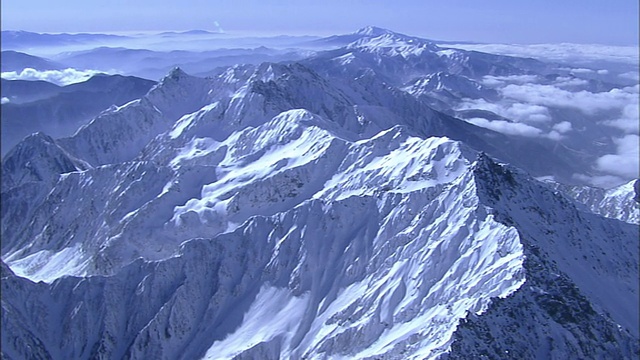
320,209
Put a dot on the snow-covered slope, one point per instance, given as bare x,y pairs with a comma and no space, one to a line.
398,58
378,272
211,187
449,86
119,133
621,202
275,212
145,163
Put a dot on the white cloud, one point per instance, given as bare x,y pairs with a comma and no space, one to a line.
527,103
527,118
581,71
562,127
554,135
633,75
601,181
618,108
629,121
519,112
4,100
584,71
625,162
506,127
585,101
482,105
632,111
529,113
491,80
578,53
59,77
626,125
620,167
564,81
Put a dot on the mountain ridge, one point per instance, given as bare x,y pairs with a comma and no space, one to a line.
311,210
480,170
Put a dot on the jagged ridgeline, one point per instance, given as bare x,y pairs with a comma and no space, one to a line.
312,210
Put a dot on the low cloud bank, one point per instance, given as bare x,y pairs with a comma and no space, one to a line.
58,77
585,101
616,168
564,52
625,162
528,104
629,120
507,127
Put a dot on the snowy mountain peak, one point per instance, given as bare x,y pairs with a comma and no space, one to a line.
176,73
266,72
620,202
373,31
382,41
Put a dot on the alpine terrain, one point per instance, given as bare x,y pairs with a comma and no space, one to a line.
328,208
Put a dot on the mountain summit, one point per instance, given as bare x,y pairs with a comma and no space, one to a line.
373,31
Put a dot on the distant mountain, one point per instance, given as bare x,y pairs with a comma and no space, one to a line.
17,61
16,40
59,111
155,64
343,40
367,32
398,59
20,91
189,32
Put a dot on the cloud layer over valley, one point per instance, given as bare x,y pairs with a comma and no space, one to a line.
58,77
578,108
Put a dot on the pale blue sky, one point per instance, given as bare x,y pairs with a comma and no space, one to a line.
509,21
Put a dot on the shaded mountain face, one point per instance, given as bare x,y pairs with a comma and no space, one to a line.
20,91
287,211
18,61
60,111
